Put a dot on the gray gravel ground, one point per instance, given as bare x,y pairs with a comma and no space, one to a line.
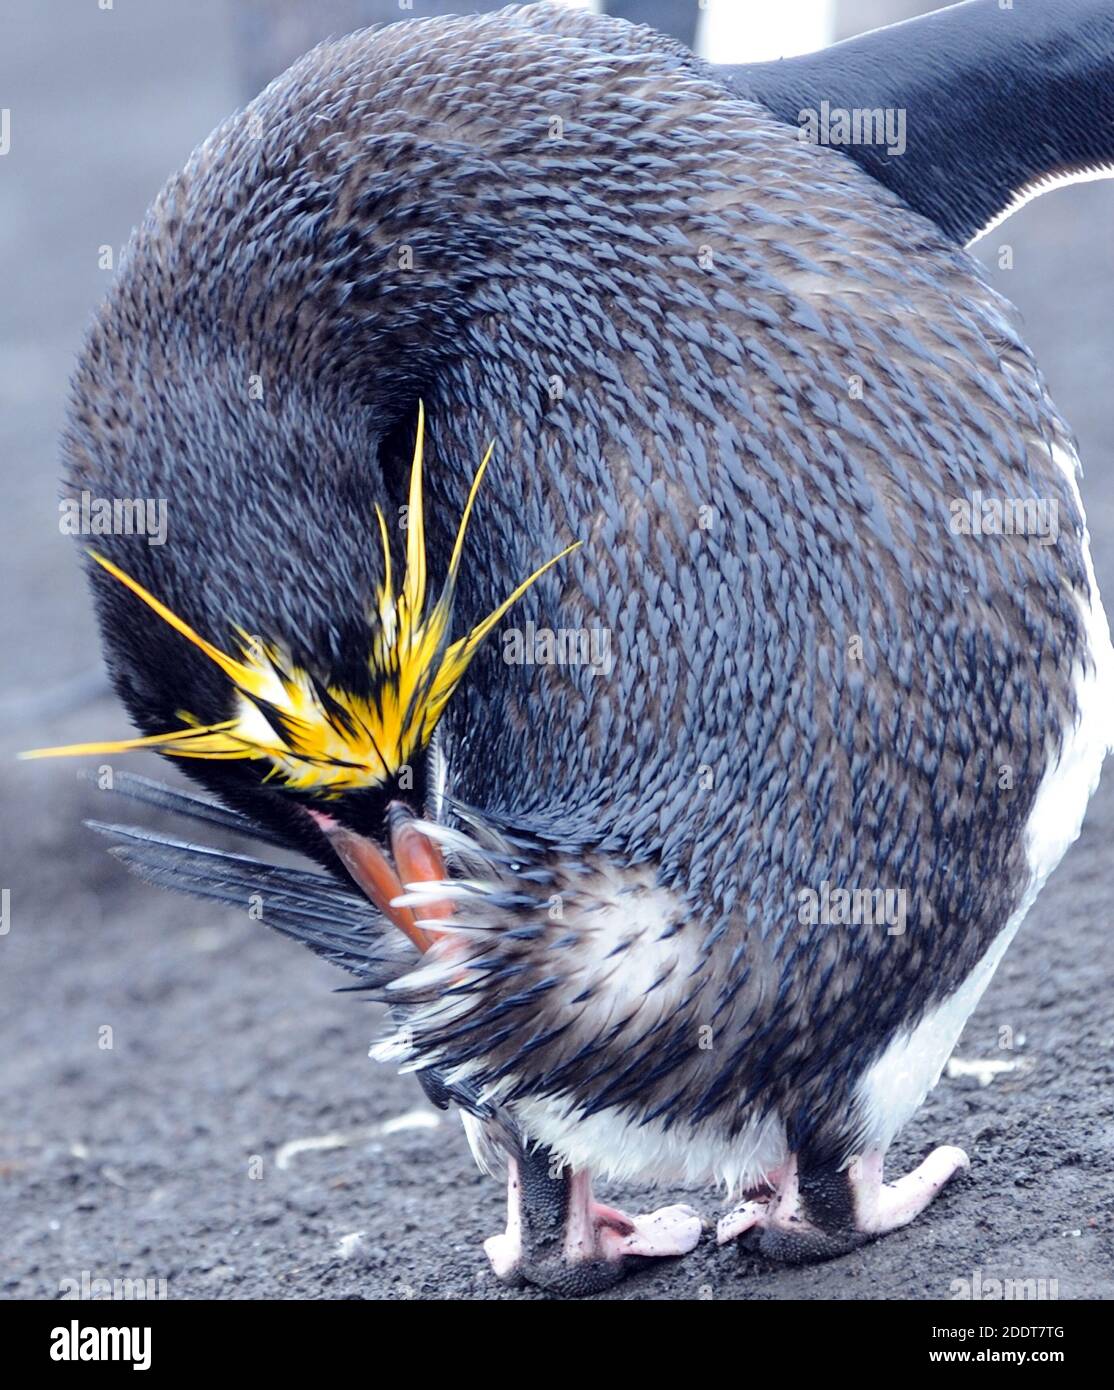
159,1157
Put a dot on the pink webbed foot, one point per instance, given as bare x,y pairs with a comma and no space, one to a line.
829,1212
558,1238
611,1235
885,1206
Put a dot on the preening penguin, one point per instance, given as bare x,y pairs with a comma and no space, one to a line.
631,360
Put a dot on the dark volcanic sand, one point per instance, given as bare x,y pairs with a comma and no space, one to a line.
227,1042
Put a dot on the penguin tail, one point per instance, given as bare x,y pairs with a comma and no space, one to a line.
339,924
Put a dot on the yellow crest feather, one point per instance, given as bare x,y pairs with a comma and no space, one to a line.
332,741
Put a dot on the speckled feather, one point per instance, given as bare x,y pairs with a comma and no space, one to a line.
705,287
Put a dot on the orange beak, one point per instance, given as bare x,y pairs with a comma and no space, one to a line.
416,860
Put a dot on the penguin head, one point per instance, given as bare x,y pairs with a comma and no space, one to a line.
308,746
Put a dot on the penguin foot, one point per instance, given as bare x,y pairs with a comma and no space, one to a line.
819,1214
884,1206
560,1239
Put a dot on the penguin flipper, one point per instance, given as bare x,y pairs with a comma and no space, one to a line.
343,927
313,908
190,804
989,106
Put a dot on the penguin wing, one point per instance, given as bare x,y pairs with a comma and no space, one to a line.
313,908
938,132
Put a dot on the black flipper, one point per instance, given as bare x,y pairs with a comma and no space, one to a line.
316,909
997,102
190,804
312,908
334,922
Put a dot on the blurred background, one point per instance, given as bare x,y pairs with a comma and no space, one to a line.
181,1096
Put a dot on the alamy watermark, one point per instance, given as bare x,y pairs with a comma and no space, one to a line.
838,125
90,1287
853,907
980,1287
77,1343
87,515
979,515
564,646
